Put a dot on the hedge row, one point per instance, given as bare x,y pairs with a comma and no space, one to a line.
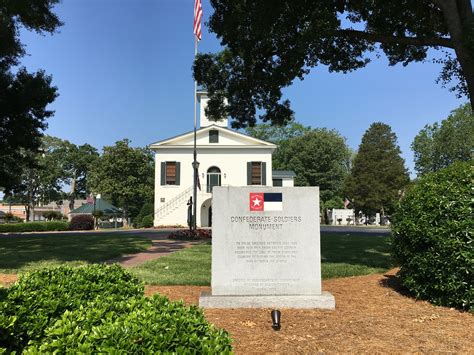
99,309
34,227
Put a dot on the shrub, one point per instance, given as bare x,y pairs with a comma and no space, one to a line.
433,237
137,325
82,222
40,298
146,222
99,309
34,227
10,217
187,234
146,210
53,215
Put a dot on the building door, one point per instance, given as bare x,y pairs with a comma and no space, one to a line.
213,178
210,217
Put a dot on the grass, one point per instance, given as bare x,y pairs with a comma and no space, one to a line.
27,253
341,255
190,266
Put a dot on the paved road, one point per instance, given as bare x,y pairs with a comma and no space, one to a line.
358,229
162,233
147,232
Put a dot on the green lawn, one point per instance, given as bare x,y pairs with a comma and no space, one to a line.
25,253
342,255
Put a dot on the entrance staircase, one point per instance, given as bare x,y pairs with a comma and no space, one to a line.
173,204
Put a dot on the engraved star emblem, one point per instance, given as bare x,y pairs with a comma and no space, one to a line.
256,202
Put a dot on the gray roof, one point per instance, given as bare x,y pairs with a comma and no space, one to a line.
283,174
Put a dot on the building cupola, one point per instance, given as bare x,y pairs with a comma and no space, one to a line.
203,99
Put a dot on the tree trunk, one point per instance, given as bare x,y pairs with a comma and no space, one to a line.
125,215
27,210
466,60
72,194
458,18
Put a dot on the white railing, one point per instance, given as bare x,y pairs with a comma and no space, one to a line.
177,201
173,204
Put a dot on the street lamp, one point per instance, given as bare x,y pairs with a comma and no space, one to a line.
195,165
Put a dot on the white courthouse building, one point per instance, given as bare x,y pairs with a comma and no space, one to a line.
226,158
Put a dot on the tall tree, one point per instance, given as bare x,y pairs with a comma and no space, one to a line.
319,158
378,175
74,163
437,146
40,181
24,96
124,175
268,44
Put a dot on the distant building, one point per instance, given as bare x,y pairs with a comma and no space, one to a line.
36,214
100,205
226,158
342,217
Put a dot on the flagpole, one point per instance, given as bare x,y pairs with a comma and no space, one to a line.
195,151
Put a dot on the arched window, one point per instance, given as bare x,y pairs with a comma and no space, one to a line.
213,178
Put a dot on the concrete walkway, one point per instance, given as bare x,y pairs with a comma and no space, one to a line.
160,246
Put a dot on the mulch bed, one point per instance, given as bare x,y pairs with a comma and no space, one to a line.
372,315
7,279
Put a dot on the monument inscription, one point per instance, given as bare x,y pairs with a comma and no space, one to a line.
265,245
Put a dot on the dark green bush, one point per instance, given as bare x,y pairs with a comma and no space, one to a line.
34,227
53,215
146,210
135,326
433,237
82,222
40,298
99,309
10,217
147,222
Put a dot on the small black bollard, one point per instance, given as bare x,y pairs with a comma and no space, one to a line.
276,316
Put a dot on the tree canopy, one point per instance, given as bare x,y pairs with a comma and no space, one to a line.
124,175
278,133
438,146
24,96
319,157
72,163
378,175
44,174
269,44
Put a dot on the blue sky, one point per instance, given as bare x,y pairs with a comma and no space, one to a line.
123,69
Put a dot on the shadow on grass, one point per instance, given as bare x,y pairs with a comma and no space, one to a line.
20,252
353,249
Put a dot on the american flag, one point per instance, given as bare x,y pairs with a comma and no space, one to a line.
347,202
197,19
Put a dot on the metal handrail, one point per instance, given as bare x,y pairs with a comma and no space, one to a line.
176,201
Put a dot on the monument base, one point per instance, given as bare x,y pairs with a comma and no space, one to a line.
323,301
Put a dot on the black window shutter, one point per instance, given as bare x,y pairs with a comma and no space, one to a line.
178,172
163,173
264,173
249,173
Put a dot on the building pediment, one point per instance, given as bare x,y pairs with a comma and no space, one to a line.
225,138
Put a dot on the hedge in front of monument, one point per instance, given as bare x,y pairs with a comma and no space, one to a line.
45,226
40,298
98,308
134,326
432,237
